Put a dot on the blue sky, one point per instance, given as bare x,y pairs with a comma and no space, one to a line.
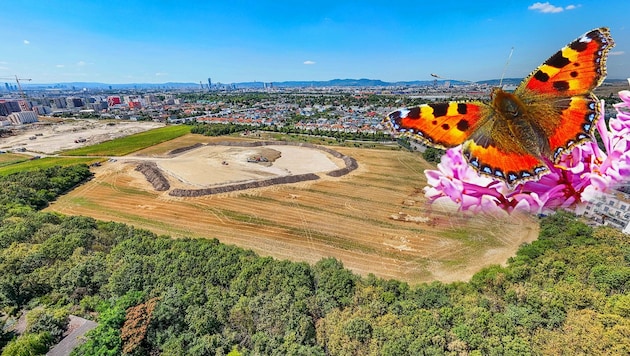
230,41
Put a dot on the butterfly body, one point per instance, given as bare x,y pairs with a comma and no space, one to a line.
522,126
516,136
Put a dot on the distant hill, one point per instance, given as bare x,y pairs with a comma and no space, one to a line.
97,85
286,84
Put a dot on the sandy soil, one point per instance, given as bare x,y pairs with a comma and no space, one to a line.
50,137
212,165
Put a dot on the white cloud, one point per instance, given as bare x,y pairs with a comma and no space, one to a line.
27,42
81,63
547,8
617,53
4,68
59,65
309,62
160,74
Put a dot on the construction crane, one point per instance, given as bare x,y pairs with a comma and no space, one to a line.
18,83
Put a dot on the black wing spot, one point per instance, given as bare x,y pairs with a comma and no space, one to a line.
574,74
434,122
541,76
462,109
557,60
395,115
439,109
414,113
445,126
463,125
561,85
579,45
511,177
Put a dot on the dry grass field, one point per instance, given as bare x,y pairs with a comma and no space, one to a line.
374,219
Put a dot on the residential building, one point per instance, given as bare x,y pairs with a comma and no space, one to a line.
610,210
113,100
22,117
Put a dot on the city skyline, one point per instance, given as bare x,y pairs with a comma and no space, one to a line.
243,41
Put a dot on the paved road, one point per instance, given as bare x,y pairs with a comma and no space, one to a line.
78,327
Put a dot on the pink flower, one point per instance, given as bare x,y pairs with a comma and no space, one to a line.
577,178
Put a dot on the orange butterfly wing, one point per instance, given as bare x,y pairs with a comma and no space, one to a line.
576,69
559,92
508,166
440,125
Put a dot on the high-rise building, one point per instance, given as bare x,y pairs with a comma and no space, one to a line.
7,107
209,84
74,102
150,98
58,103
4,109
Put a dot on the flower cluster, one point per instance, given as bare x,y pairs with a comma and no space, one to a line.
577,178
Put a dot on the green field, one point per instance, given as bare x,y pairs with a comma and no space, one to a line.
129,144
7,159
29,165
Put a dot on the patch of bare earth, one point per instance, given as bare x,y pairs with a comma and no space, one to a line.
50,136
375,219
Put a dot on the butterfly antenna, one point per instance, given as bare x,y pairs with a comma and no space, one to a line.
505,67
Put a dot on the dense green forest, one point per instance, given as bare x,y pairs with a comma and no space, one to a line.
566,293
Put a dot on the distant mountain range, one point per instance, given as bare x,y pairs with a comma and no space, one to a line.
286,84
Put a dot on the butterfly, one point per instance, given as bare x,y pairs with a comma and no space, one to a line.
518,135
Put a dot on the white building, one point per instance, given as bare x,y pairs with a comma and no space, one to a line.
22,117
610,210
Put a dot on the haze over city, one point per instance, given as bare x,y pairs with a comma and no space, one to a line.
239,41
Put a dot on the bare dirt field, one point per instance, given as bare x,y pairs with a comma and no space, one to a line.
49,137
211,165
375,219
